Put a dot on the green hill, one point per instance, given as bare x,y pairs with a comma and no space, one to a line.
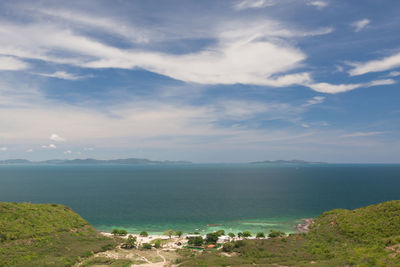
368,236
46,235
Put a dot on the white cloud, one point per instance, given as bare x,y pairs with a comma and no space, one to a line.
246,4
11,63
362,134
3,148
248,55
68,152
340,88
62,75
305,125
360,24
383,64
30,150
57,138
394,74
318,4
315,100
51,146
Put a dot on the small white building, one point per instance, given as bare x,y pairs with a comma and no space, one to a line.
223,239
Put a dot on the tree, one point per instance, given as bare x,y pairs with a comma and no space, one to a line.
169,233
130,242
144,234
179,233
157,244
260,235
211,238
274,233
231,235
119,232
240,234
115,231
196,241
220,232
246,234
122,232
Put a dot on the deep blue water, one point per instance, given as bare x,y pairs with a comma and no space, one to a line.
188,197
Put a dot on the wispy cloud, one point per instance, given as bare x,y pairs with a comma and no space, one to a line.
362,134
3,148
394,74
68,152
63,75
360,24
246,4
377,65
318,4
315,100
110,26
341,88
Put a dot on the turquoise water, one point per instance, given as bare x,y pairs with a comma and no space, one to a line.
236,197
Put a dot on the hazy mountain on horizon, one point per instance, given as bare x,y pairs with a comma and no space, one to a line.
293,161
92,161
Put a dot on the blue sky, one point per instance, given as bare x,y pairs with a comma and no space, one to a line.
206,81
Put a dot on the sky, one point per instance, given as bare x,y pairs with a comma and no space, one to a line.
205,81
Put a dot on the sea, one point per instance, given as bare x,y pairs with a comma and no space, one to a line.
201,197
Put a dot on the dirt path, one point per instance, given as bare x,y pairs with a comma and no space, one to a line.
152,264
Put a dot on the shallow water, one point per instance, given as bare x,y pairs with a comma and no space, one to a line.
189,197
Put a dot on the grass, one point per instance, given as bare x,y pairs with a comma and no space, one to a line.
46,235
103,261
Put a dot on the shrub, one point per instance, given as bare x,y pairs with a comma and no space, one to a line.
144,234
260,235
274,233
146,246
107,247
157,244
196,241
240,243
246,234
228,247
123,232
231,235
119,232
130,242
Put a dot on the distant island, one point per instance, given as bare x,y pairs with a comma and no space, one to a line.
293,161
128,161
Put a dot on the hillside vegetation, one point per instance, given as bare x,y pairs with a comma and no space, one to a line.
46,235
368,236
